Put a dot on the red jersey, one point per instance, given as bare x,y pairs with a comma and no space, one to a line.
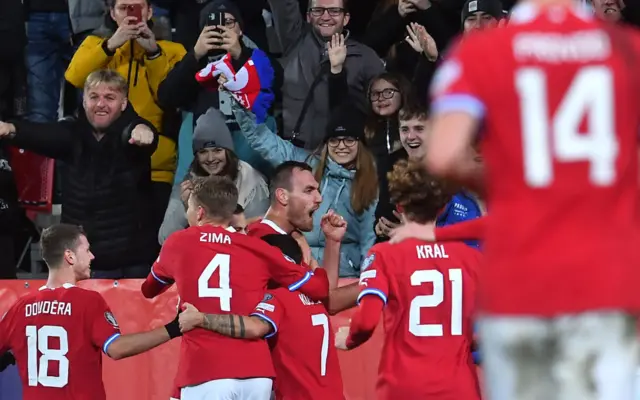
56,336
302,347
557,98
264,227
223,272
429,293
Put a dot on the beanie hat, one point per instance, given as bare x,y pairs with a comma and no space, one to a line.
211,131
345,121
491,7
220,6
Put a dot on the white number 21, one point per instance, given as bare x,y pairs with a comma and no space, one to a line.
589,97
434,300
223,291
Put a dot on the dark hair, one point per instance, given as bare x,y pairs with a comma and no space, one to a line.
413,111
420,195
281,177
218,195
345,5
239,210
57,239
112,3
230,169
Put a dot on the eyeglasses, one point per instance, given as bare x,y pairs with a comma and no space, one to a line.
230,23
348,141
319,11
385,93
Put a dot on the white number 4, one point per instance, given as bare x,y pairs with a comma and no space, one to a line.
590,97
434,300
223,291
38,369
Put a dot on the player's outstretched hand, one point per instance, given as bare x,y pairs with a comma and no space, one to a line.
341,337
410,230
190,318
5,360
142,135
333,226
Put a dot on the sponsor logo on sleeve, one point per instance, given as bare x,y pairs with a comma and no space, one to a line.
111,319
265,307
367,275
367,262
267,297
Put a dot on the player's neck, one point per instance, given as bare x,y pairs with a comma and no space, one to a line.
60,276
279,218
217,224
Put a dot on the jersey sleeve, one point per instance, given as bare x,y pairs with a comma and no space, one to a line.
271,311
103,325
470,229
455,85
161,276
374,280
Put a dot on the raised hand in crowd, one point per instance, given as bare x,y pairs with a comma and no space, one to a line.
337,52
405,7
146,38
142,135
384,227
207,41
228,40
420,40
128,30
6,129
185,191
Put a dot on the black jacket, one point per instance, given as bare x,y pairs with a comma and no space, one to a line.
385,208
105,184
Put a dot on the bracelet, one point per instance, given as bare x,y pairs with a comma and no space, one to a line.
154,55
106,50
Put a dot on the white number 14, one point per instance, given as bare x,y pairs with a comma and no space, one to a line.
590,96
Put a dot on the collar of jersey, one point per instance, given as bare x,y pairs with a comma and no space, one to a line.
64,285
274,226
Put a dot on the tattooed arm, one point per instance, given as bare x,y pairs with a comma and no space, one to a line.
237,326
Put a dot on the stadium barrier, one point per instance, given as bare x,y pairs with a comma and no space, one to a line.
150,375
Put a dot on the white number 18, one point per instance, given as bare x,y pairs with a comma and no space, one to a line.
38,368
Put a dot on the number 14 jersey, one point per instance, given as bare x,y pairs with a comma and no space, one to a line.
557,95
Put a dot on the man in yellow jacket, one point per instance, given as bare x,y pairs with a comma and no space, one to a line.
128,45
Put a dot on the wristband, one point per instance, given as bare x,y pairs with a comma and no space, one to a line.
154,55
173,328
106,50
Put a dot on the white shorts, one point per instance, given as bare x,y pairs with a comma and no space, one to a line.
588,356
229,389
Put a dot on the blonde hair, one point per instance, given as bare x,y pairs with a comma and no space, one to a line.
108,77
364,188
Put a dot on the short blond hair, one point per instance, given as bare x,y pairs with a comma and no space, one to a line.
108,77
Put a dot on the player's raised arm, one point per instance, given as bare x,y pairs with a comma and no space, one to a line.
160,278
457,112
472,229
254,326
371,301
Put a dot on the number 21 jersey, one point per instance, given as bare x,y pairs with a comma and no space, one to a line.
557,95
56,336
429,295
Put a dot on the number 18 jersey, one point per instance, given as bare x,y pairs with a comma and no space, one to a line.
557,96
56,336
429,295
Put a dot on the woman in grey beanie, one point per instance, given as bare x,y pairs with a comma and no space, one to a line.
214,155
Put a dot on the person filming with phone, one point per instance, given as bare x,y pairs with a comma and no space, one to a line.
128,43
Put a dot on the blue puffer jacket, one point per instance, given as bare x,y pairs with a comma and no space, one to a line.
462,207
335,188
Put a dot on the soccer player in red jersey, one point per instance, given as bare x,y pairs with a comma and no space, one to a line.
426,294
57,333
298,328
555,102
220,271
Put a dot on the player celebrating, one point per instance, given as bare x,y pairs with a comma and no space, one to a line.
56,334
426,292
560,132
305,369
220,271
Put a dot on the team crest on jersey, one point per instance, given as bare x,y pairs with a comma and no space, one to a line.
267,297
367,262
111,319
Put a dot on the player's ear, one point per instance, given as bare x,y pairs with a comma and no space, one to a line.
282,195
69,257
200,214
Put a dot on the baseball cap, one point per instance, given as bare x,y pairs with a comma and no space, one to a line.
491,7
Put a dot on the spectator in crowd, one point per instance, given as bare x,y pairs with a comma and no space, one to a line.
48,53
85,16
239,221
214,155
414,129
12,51
130,47
617,11
481,14
346,171
106,174
306,65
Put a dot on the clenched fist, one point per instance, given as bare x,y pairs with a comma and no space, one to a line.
142,135
6,129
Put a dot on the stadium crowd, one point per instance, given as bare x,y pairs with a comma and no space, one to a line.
305,105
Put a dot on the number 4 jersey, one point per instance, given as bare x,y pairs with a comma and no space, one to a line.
56,336
428,291
557,96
